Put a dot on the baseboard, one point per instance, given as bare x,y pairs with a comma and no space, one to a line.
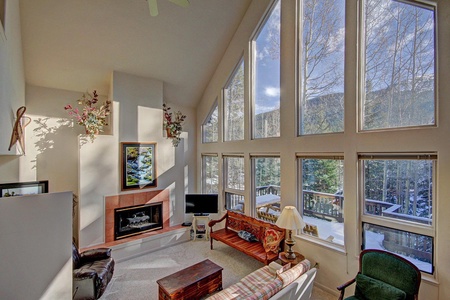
326,289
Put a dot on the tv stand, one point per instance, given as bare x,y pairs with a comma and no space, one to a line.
200,228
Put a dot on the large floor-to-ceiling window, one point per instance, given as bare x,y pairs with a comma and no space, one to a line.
362,144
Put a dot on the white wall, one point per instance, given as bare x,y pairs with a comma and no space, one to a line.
36,253
12,80
336,266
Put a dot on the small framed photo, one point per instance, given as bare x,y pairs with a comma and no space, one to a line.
138,163
23,188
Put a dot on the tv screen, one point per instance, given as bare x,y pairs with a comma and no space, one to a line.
202,204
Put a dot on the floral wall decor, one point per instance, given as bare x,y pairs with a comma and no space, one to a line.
93,117
173,124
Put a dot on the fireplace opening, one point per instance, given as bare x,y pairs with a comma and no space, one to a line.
133,220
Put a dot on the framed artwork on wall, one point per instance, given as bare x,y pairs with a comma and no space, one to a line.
138,163
23,188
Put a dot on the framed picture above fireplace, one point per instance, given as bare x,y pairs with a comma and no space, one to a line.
23,188
138,163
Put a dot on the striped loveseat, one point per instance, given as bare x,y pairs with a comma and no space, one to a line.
264,284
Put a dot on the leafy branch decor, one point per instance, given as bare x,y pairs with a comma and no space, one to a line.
92,117
173,124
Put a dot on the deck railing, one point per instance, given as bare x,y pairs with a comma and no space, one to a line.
323,205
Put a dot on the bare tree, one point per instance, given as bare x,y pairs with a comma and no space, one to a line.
322,66
399,65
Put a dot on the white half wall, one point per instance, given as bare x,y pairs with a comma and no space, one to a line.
36,253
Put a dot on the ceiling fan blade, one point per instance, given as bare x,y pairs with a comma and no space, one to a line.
153,7
183,3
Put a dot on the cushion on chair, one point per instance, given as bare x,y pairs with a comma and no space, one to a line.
373,289
247,236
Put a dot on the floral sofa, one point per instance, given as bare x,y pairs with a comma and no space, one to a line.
256,238
265,283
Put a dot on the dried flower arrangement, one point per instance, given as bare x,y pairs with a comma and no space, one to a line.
92,117
173,124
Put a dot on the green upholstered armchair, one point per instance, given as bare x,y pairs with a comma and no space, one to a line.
384,275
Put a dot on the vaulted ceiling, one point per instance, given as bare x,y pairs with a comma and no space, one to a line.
76,44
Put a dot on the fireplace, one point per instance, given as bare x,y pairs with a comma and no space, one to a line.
133,220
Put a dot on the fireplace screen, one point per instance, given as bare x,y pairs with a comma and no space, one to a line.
138,219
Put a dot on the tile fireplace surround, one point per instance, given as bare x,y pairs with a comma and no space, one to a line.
119,201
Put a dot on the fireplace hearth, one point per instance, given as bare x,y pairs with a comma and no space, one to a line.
133,220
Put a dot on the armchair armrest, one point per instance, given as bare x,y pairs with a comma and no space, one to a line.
342,287
83,274
95,254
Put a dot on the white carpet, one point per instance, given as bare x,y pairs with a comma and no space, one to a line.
135,279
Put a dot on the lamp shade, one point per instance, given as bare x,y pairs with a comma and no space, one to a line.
290,219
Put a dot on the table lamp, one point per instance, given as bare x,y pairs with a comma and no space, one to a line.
290,219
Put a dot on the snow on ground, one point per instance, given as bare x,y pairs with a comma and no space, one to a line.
331,231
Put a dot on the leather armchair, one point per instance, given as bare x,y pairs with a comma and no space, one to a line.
92,271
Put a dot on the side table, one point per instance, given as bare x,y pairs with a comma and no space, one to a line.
284,260
204,220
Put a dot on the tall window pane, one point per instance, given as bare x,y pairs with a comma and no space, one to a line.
397,205
322,66
399,65
266,58
210,174
266,178
234,183
234,105
210,128
399,189
323,198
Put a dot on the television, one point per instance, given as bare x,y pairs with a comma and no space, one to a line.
202,204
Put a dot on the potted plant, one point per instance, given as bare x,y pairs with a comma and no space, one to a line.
92,117
173,124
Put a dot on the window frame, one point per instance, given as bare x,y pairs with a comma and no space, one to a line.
362,67
231,191
241,62
203,173
253,157
300,205
207,120
299,64
253,63
391,223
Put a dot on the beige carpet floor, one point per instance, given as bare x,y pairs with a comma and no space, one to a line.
135,279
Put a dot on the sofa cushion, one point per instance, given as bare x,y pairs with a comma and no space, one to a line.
247,236
373,289
260,284
294,272
284,268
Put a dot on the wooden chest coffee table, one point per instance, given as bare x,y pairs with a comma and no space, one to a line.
193,282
